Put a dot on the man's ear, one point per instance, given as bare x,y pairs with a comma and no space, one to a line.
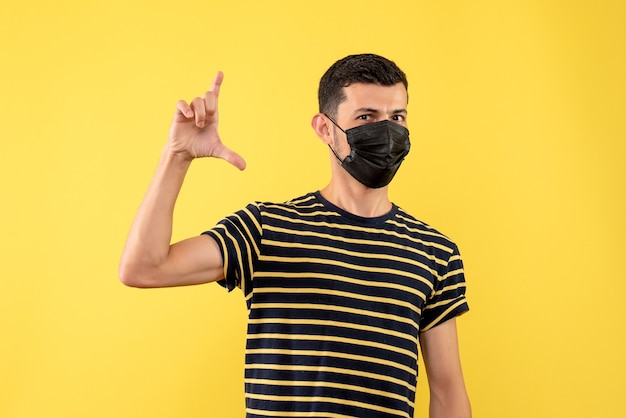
321,126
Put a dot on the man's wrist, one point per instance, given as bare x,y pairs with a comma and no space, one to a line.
177,158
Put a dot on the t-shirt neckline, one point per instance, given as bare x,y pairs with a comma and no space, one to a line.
356,218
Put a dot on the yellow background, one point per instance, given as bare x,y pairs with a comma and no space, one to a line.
517,118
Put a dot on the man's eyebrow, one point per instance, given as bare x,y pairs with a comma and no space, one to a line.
372,110
366,110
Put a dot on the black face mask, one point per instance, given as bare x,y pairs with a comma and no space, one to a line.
376,152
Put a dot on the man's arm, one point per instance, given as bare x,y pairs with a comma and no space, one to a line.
148,259
440,348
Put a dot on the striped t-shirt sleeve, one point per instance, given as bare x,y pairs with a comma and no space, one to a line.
447,299
238,237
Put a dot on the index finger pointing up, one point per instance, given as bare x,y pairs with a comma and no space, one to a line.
217,83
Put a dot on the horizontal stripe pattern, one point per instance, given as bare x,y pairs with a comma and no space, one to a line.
336,304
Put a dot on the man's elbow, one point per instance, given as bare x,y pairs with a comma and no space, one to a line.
450,401
135,276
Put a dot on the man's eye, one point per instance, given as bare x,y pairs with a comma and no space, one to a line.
364,117
398,118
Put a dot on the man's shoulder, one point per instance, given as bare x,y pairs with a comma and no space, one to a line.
421,228
305,205
305,202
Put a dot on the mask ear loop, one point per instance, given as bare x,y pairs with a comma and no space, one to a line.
331,148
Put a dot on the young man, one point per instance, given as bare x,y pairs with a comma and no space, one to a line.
342,285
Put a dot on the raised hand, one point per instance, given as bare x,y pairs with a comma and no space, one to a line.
194,132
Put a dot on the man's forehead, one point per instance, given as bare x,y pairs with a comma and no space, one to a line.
374,97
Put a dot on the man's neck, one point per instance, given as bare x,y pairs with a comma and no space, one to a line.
357,199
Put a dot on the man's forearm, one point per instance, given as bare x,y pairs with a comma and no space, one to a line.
149,238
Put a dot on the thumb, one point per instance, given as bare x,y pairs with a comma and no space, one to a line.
230,156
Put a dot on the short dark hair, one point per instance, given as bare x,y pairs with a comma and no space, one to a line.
361,68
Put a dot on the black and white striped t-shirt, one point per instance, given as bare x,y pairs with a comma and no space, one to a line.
336,304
